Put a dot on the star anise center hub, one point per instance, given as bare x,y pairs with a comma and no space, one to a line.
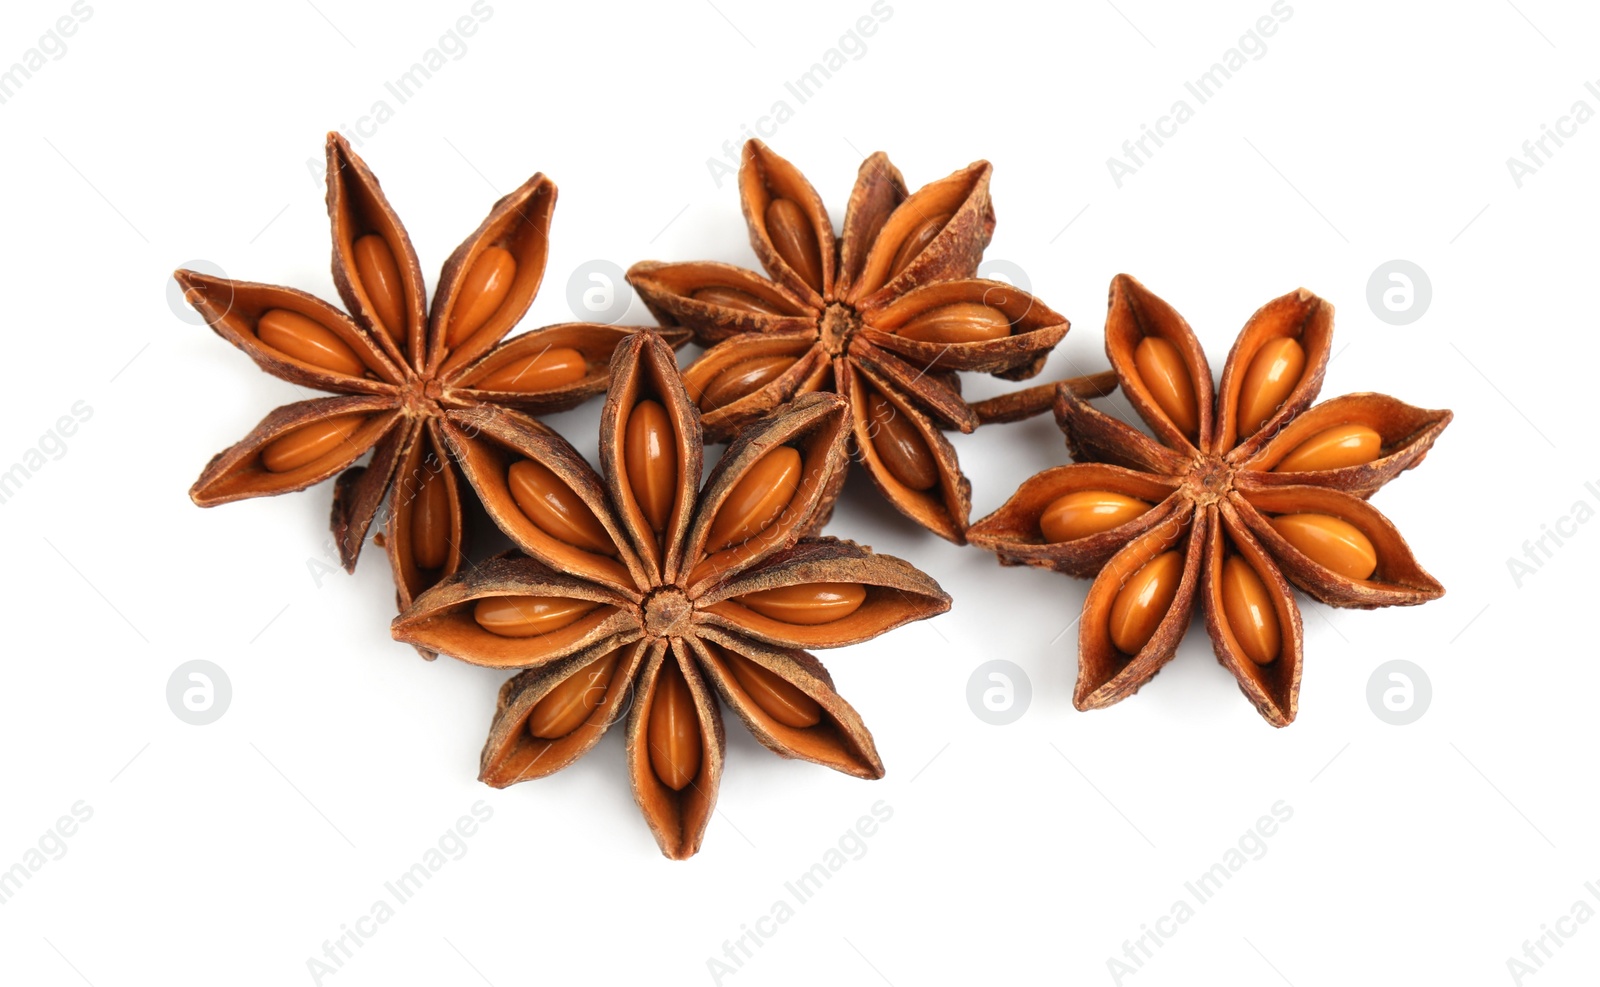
839,323
421,397
666,612
1210,479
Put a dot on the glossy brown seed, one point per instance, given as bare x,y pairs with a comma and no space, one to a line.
958,322
651,457
1144,599
528,616
1331,542
1274,371
757,500
309,443
308,341
1333,448
566,707
543,371
1166,377
1250,612
898,445
380,279
1087,512
795,240
485,287
430,522
807,603
674,730
733,298
775,695
555,509
742,378
919,237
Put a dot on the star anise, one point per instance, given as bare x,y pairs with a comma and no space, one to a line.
643,586
883,314
1245,492
400,371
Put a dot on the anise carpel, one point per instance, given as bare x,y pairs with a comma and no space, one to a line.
884,314
399,369
642,592
1246,489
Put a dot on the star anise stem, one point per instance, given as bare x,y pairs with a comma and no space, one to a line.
1015,406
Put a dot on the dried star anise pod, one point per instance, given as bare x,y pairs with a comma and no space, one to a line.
643,585
883,314
399,368
1246,492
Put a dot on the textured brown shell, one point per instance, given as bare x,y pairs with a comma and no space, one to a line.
1013,534
409,384
511,754
1399,580
485,441
441,619
897,593
815,424
723,422
1035,329
1408,433
840,741
482,441
678,819
357,205
856,290
236,473
519,223
1217,490
1273,689
946,508
1105,675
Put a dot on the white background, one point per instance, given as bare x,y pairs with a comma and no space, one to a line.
1018,854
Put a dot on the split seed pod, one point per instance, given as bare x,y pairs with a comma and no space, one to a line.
643,592
1248,490
884,314
400,370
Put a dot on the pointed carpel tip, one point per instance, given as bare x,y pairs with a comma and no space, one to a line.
193,280
538,184
1124,283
